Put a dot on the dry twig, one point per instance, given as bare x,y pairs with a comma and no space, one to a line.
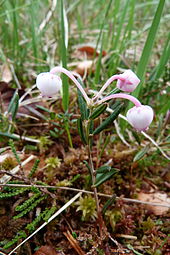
130,200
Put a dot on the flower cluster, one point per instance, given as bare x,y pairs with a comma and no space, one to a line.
140,116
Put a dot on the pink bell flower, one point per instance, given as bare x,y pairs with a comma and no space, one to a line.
127,81
140,117
49,84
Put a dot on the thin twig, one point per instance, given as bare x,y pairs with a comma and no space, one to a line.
127,236
26,93
25,138
49,220
130,200
13,175
74,242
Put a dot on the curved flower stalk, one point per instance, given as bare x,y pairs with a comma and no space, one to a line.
134,100
59,69
127,81
140,116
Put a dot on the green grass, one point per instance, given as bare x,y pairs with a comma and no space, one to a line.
64,57
147,50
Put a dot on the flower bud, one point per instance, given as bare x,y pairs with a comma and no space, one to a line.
128,81
140,117
49,84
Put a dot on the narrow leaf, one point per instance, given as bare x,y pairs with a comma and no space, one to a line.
91,128
141,154
89,178
108,121
43,108
87,165
98,111
81,131
108,203
103,169
136,136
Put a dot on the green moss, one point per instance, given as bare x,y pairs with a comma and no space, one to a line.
112,217
8,164
87,205
148,224
53,162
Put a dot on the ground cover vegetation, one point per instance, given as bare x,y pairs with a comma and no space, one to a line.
83,171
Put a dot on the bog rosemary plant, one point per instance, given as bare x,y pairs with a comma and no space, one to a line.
139,117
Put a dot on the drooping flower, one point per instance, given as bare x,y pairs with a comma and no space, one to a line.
140,117
49,84
127,81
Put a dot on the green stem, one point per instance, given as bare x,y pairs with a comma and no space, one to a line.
93,175
68,134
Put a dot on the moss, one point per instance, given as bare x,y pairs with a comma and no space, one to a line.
87,205
148,224
8,164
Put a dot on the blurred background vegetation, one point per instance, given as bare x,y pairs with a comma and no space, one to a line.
131,34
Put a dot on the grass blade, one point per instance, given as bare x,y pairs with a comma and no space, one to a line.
122,19
100,38
65,100
33,31
163,60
